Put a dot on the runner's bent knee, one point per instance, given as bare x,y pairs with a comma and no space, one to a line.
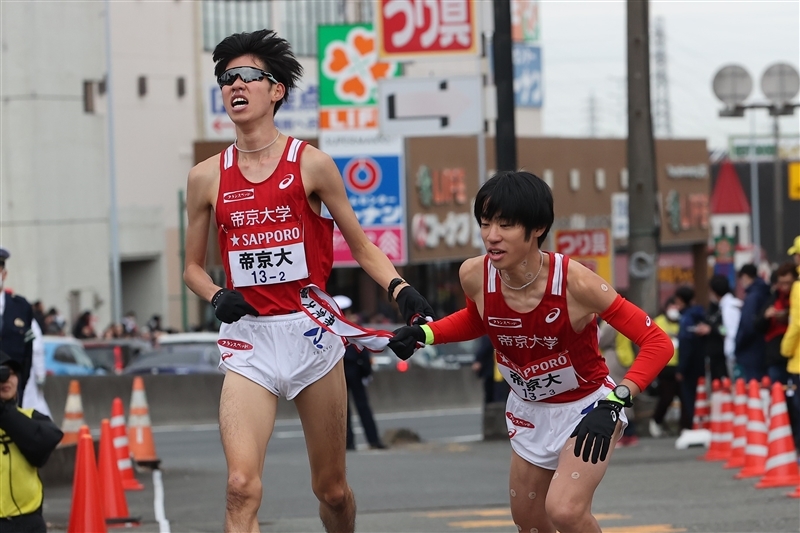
332,491
244,490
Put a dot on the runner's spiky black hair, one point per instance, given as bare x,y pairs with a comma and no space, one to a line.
272,51
518,198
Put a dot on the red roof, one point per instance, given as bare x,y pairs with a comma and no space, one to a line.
728,197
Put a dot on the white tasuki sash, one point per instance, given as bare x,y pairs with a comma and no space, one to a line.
323,309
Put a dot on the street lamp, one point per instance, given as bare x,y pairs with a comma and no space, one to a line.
780,83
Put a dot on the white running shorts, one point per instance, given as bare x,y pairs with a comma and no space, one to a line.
283,353
539,430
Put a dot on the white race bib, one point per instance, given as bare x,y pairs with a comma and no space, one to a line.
540,379
268,256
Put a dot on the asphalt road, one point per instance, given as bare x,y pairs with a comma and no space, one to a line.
450,482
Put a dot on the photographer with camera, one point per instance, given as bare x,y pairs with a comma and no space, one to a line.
27,438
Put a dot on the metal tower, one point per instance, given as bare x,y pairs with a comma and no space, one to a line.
662,114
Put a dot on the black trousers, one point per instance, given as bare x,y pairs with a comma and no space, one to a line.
29,523
356,389
667,390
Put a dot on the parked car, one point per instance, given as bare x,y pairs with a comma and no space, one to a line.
65,356
179,359
113,355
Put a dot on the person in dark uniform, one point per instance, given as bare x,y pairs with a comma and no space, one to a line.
27,438
357,369
16,326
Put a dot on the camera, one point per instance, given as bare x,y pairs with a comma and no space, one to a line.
5,373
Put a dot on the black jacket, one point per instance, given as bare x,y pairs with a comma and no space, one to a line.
35,437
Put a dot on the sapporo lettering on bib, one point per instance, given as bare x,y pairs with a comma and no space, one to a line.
539,379
267,256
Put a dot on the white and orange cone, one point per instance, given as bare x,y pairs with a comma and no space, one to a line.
739,427
701,407
755,452
140,433
121,450
781,468
73,414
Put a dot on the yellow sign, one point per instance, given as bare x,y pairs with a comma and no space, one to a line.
794,181
590,247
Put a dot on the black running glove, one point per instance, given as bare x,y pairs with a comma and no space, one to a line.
406,341
595,430
414,307
230,306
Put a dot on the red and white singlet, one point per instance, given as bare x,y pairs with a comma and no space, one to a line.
539,354
272,242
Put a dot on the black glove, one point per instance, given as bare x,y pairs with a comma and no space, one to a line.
406,341
415,308
230,306
595,430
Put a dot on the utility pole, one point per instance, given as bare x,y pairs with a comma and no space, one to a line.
505,136
643,209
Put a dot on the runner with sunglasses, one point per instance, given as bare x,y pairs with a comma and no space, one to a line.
564,414
264,194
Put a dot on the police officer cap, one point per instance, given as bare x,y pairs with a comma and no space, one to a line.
4,254
5,360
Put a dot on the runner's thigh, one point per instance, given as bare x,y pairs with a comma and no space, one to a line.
246,419
323,410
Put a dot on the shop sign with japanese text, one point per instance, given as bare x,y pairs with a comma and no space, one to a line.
590,247
419,28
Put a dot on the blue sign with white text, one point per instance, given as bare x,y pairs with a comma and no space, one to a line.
527,75
373,188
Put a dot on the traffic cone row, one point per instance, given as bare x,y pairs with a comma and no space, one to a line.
742,435
99,491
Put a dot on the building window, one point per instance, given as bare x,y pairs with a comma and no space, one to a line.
547,176
142,86
574,179
181,87
299,22
88,96
600,179
623,179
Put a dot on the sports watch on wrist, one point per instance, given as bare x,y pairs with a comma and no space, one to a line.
621,394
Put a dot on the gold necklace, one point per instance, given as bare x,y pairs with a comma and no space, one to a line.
236,141
541,262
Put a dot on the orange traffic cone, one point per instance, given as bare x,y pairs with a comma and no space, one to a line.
114,503
714,452
140,434
739,427
781,468
766,397
121,450
73,414
86,513
755,453
701,412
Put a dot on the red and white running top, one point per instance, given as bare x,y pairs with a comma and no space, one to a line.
272,242
539,354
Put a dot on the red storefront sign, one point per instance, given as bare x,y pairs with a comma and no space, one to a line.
413,28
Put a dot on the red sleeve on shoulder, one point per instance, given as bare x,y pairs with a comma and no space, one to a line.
656,348
463,325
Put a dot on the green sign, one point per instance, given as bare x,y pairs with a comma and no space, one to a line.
349,67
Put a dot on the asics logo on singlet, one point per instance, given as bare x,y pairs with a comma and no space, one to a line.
504,322
553,315
234,344
286,181
315,336
238,196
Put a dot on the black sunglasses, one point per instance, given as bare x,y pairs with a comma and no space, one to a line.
247,74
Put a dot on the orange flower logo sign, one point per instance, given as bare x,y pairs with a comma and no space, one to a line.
351,64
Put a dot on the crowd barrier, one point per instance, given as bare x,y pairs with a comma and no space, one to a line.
194,399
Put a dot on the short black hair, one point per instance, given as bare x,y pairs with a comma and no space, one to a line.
685,294
519,198
784,269
719,285
749,270
273,51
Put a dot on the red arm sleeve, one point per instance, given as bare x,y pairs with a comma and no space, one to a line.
463,325
656,348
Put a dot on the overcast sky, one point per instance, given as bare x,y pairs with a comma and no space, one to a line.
584,54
